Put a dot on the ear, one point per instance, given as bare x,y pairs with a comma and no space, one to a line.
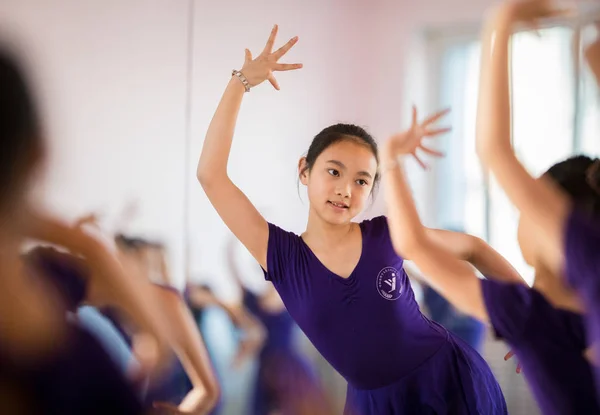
303,171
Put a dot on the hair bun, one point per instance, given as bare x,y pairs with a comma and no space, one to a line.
593,175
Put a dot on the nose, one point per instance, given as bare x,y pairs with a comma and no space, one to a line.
344,190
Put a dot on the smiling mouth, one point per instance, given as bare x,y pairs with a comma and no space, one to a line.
338,205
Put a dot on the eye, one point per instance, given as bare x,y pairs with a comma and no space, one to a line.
362,182
333,172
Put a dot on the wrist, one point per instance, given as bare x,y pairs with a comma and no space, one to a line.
500,20
236,85
389,152
242,79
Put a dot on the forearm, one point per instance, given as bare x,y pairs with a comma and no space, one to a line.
453,278
217,143
477,252
189,346
244,321
493,265
404,223
198,402
493,110
538,201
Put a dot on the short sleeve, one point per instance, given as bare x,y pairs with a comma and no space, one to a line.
509,307
378,226
282,248
582,253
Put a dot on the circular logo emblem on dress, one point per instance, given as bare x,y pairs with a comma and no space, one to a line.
388,283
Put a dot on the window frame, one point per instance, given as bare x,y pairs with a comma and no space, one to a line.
438,40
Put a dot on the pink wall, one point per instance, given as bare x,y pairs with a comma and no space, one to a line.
113,76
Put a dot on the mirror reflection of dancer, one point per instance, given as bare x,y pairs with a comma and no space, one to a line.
133,256
49,364
334,278
285,378
250,333
191,385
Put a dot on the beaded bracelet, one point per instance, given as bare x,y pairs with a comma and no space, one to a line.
241,78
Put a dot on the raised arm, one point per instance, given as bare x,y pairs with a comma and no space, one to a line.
253,332
191,350
539,201
478,253
238,213
133,296
451,277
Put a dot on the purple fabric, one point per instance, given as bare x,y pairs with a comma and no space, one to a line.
285,377
454,381
80,379
549,344
582,269
279,326
370,329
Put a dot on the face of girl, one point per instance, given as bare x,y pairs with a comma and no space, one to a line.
341,180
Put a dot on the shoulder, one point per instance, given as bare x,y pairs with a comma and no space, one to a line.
283,249
375,226
282,241
281,232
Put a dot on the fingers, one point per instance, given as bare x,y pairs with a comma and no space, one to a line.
435,117
519,368
286,66
269,46
284,49
248,56
509,355
431,151
423,165
273,82
414,116
437,131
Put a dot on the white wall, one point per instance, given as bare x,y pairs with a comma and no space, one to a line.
114,86
113,82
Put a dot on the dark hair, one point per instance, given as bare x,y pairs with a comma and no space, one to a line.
20,132
579,177
134,243
334,134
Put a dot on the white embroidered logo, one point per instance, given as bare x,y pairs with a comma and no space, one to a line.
387,284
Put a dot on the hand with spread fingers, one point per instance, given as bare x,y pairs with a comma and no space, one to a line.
411,140
260,69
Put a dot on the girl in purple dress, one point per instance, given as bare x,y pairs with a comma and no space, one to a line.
341,281
561,226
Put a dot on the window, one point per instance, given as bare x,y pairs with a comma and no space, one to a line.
555,112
